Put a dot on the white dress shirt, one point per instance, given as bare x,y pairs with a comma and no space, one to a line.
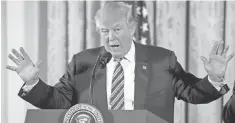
128,64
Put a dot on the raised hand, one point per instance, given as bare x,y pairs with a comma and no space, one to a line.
25,67
218,61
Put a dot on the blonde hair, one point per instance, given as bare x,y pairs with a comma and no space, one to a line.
121,7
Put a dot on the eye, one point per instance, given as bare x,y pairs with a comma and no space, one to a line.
104,31
117,30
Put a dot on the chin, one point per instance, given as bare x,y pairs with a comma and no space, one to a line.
116,54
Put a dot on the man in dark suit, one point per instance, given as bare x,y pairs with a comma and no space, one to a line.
229,109
137,77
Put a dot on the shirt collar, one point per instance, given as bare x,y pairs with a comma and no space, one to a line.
130,56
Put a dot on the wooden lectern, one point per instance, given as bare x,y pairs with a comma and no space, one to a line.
125,116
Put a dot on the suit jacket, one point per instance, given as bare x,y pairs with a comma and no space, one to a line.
156,86
229,109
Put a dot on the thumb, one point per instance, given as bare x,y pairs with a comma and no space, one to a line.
204,60
38,64
230,57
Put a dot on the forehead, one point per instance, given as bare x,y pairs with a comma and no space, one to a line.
110,24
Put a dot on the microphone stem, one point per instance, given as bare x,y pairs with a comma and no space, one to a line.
91,85
91,91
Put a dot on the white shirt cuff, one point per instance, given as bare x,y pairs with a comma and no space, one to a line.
217,85
27,88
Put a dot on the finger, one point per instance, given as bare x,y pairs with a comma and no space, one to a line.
25,55
18,55
220,48
230,57
214,48
38,64
225,51
14,59
11,68
204,60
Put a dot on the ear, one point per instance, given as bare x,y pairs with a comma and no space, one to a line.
133,29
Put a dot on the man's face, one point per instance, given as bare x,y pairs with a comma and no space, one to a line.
116,35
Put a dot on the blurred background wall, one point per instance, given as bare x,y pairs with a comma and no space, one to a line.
54,31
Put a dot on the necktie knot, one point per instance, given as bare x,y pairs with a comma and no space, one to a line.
117,60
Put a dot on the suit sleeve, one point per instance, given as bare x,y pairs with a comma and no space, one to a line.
191,89
228,113
53,97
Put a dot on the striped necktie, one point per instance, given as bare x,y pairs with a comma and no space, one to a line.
117,89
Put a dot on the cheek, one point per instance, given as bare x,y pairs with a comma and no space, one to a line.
104,39
125,39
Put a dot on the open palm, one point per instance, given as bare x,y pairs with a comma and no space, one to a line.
25,67
218,61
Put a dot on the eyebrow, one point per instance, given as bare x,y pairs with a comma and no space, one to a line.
103,29
117,24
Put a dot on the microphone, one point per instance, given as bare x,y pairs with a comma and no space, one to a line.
103,58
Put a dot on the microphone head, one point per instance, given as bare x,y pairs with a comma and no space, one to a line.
105,57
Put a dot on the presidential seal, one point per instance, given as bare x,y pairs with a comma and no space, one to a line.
83,113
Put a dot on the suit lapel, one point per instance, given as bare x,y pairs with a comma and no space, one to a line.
100,91
141,76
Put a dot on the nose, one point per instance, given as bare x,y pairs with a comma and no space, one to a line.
111,35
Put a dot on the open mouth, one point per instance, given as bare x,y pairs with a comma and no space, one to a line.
114,46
